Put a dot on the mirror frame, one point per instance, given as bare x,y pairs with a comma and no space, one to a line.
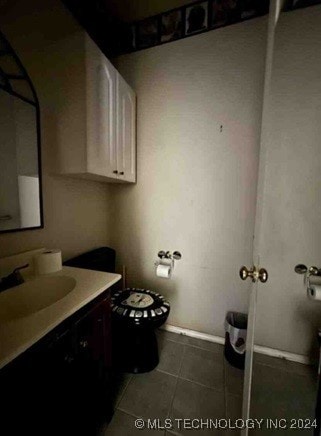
23,75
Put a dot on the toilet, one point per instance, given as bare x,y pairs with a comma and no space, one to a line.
136,313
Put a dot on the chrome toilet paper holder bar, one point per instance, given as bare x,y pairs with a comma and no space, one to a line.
176,255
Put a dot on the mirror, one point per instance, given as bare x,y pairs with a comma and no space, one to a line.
20,166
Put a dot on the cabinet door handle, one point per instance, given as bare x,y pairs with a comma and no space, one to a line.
122,173
115,172
68,358
84,343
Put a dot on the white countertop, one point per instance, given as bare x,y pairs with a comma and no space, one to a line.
17,335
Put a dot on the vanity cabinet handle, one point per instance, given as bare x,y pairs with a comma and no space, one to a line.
84,344
122,173
68,358
115,172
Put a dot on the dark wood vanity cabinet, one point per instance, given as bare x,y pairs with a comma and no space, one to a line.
61,386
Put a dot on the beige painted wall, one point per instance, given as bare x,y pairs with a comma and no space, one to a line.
76,212
291,226
196,185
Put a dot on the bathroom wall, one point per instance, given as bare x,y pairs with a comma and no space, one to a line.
76,212
198,124
291,229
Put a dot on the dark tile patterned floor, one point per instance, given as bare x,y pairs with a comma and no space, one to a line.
193,380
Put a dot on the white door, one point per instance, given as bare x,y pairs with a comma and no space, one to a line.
101,112
255,272
288,225
126,131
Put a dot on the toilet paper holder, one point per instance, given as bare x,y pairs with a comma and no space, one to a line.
311,271
165,264
312,288
176,255
308,272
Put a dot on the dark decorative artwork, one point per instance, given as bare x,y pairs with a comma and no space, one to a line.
224,12
147,33
184,22
254,8
194,18
172,25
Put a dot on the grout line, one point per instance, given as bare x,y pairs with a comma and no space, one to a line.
165,372
225,388
129,413
175,389
201,384
187,379
123,393
191,345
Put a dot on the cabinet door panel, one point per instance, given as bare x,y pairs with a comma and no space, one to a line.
126,131
92,364
101,109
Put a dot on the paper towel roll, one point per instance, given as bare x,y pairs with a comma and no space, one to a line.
314,292
163,270
48,261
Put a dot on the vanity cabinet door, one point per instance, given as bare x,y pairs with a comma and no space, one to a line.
60,386
126,131
37,390
93,364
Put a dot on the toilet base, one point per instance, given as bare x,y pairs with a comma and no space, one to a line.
135,350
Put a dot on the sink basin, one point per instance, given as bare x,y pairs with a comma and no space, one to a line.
33,296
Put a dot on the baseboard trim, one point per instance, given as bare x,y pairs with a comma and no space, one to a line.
300,358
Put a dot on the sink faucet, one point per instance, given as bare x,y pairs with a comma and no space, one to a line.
13,279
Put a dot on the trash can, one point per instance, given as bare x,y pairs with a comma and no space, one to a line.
235,338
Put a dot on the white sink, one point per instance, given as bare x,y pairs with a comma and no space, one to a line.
33,296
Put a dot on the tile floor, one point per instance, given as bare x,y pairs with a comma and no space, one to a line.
193,380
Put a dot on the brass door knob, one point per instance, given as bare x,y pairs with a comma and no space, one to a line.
254,274
263,275
245,273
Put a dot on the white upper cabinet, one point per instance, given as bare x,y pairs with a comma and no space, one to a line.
96,113
126,132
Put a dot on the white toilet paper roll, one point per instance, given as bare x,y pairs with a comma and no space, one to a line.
314,292
48,261
164,271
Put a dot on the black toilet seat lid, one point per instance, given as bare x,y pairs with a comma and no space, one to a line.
139,304
138,300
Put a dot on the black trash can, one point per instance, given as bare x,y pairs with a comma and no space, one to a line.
235,338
